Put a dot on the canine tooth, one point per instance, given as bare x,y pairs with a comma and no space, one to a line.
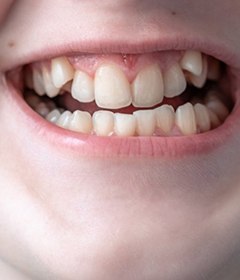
82,87
103,123
81,122
147,87
64,119
38,82
42,109
202,117
112,89
50,88
218,108
174,81
214,71
199,81
146,122
185,119
192,62
61,71
124,124
165,118
53,116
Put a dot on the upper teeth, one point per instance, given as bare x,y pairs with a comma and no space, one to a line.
110,87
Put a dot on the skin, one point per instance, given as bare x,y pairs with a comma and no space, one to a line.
67,216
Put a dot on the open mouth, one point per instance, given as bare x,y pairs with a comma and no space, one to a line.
171,93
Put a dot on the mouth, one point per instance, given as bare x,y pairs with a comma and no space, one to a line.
159,96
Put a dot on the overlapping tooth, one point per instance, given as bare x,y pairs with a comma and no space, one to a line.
185,119
103,123
192,62
112,89
174,81
165,118
61,71
38,83
147,88
146,122
81,122
202,117
64,119
82,87
124,124
200,80
53,116
50,89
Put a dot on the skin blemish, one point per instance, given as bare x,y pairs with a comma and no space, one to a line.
173,13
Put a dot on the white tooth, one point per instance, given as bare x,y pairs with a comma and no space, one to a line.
82,87
38,82
124,124
218,108
81,122
42,109
147,87
53,116
214,71
146,122
185,119
199,81
192,62
61,71
174,81
215,122
112,89
64,119
165,118
202,117
50,88
103,123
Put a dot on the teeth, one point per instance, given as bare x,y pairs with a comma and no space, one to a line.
53,116
38,82
165,118
112,89
148,87
61,71
199,81
81,122
218,108
42,109
185,119
103,123
64,119
174,81
215,122
202,117
124,124
50,88
146,122
192,62
82,87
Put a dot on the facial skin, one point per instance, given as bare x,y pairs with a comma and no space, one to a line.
68,216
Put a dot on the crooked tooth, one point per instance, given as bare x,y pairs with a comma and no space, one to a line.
146,122
124,124
200,80
174,81
165,118
50,88
38,84
185,119
112,89
82,87
53,116
81,122
61,71
192,62
202,117
64,119
103,123
147,87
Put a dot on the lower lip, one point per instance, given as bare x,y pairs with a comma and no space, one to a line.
91,145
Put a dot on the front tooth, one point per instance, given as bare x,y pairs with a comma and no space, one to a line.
38,82
103,123
202,117
174,81
199,81
185,119
112,89
64,119
53,116
165,118
50,88
148,87
81,122
192,62
124,124
61,71
146,122
82,87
